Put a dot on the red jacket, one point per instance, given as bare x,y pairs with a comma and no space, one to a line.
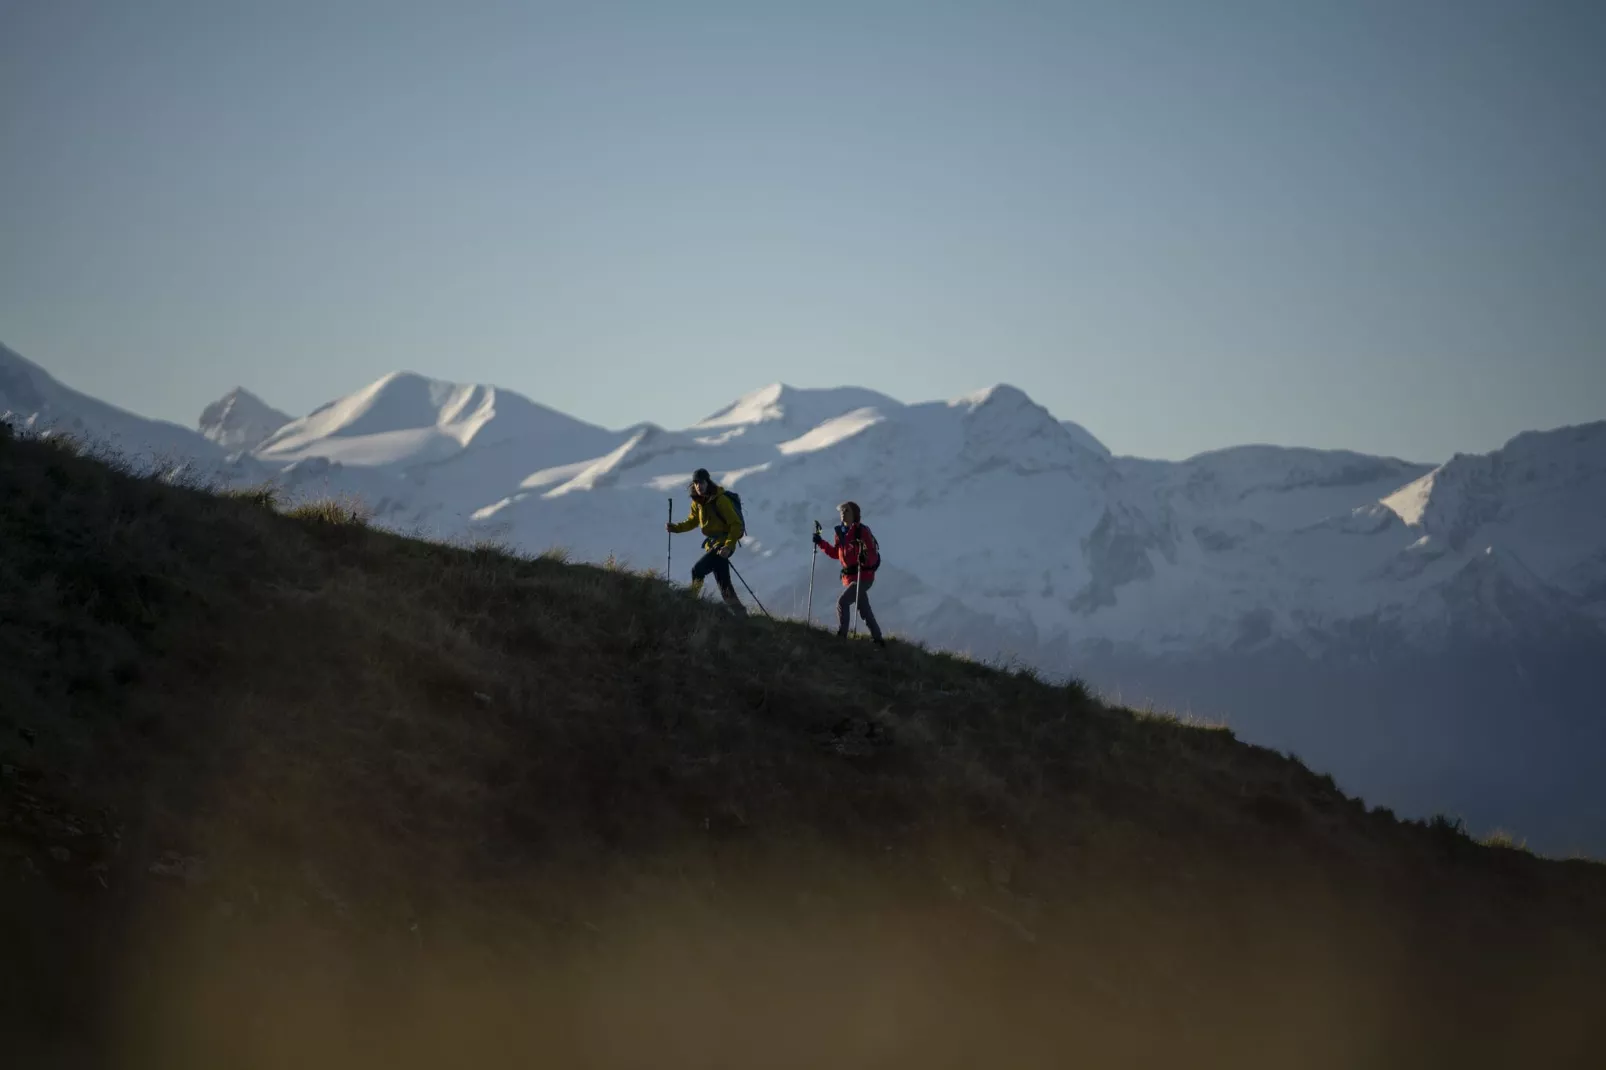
846,550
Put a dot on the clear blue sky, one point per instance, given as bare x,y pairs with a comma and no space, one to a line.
1185,225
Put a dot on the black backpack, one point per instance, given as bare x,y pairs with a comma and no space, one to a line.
736,500
872,547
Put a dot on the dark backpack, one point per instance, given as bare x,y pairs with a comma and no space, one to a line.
736,500
872,549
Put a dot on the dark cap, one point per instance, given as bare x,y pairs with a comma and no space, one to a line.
701,476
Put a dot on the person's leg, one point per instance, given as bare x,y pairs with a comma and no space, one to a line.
727,590
709,562
721,567
867,614
844,607
713,562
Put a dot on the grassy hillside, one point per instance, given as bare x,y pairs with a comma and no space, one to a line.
281,790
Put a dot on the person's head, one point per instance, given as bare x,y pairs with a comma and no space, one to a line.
702,484
849,512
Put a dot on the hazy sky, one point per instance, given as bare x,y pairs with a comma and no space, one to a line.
1185,225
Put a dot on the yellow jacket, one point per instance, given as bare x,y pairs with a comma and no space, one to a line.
717,517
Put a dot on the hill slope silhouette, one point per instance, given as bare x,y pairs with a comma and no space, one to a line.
280,789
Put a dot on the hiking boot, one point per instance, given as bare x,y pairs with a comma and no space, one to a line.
733,603
881,644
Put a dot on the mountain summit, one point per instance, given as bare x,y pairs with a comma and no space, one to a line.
407,419
30,398
239,420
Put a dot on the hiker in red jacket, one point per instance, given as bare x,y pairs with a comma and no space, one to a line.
856,550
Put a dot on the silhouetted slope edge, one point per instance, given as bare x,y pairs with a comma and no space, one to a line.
282,789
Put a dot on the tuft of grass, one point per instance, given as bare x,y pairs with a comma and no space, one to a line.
497,546
340,512
1025,672
1503,840
1447,826
262,495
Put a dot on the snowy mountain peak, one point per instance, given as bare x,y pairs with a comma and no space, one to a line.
239,420
30,398
1000,395
1004,398
406,418
1002,426
757,407
400,401
1526,493
794,408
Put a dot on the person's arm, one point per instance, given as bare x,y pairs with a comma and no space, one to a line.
829,549
687,524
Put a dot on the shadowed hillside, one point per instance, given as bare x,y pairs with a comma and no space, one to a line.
282,790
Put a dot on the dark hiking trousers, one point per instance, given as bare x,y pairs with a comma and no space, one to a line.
712,562
849,600
721,568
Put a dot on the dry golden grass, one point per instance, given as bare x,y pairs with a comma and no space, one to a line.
1506,840
300,792
341,510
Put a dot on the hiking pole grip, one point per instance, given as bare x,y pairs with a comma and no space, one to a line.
669,546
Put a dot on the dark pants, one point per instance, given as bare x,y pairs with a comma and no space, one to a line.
851,598
719,566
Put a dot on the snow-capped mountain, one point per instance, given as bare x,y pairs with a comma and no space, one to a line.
1400,623
31,399
425,454
1542,497
240,420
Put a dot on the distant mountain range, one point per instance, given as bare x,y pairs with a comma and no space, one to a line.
1434,634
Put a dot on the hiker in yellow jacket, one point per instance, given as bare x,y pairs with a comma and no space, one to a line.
722,529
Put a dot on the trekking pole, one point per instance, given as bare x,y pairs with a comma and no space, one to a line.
815,557
858,585
669,550
756,602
